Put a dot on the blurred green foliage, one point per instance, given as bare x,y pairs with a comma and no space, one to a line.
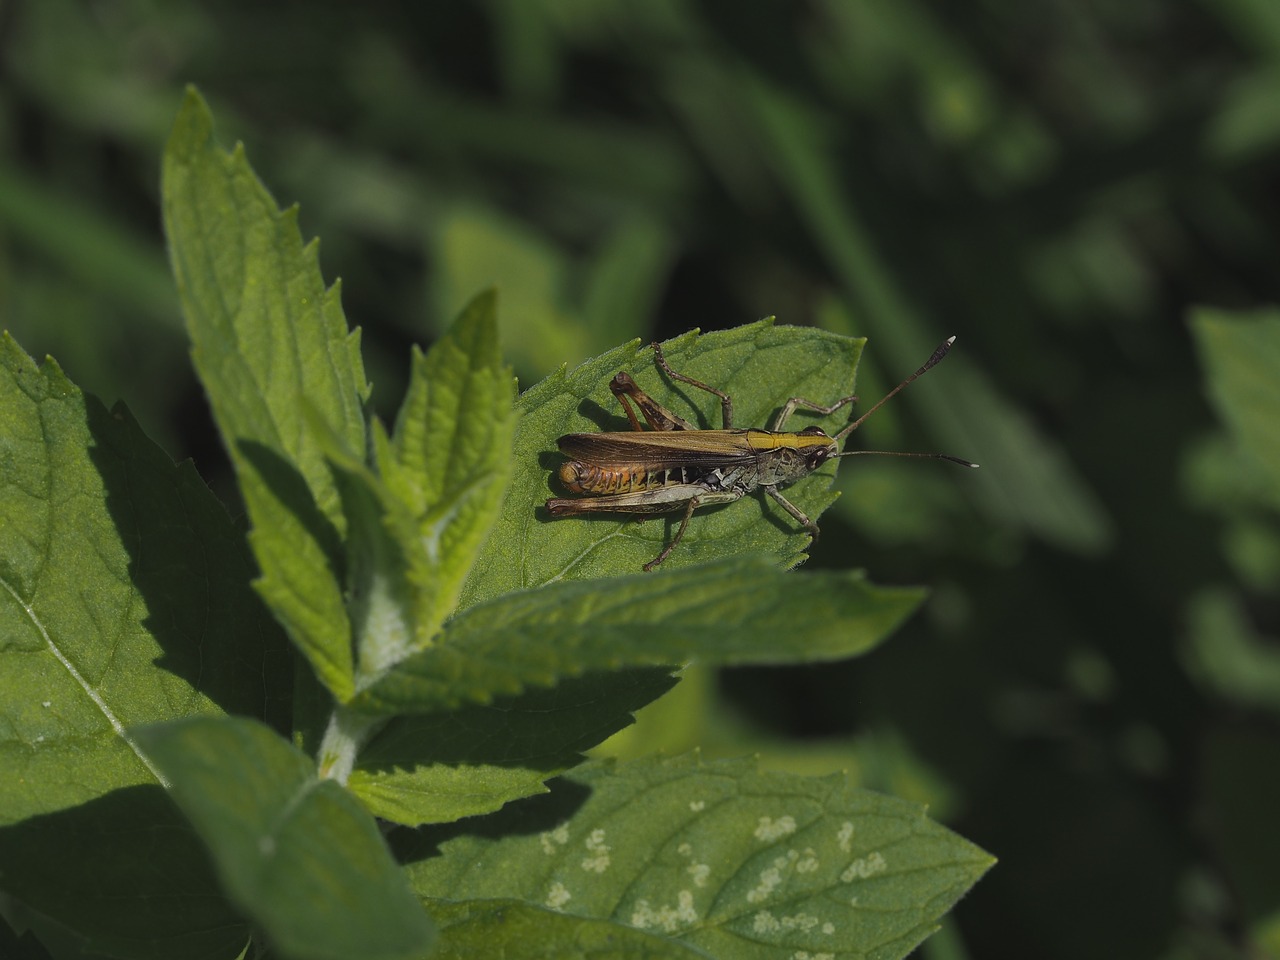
1092,693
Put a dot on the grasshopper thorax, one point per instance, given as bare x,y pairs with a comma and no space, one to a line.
816,453
790,456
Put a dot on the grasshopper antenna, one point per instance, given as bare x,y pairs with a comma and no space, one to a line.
900,453
929,364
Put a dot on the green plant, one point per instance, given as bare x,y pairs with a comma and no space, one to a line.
177,784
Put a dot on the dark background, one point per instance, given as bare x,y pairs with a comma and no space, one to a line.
1092,692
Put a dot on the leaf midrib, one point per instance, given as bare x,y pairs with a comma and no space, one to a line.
94,696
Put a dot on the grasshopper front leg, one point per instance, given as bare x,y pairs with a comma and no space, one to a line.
789,408
726,404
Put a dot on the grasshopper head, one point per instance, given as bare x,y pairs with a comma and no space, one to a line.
815,454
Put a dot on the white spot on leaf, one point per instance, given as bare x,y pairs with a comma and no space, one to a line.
768,829
865,867
550,839
770,878
845,836
598,861
800,921
765,922
558,895
666,918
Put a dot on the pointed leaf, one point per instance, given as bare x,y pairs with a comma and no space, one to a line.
715,856
760,365
297,854
452,449
266,333
733,612
414,528
124,599
439,767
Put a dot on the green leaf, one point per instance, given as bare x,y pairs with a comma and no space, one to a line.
760,365
516,931
267,333
414,528
1241,355
124,599
450,458
438,767
717,856
297,854
381,546
733,612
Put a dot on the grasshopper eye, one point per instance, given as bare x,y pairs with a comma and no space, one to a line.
812,431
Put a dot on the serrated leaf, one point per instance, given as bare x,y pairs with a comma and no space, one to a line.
517,931
761,365
414,526
733,612
717,856
451,456
124,599
266,334
439,767
1241,355
297,854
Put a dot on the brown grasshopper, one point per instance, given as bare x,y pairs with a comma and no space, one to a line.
676,466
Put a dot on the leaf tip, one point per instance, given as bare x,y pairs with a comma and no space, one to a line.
194,103
193,126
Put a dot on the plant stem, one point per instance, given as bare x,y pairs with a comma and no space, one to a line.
347,733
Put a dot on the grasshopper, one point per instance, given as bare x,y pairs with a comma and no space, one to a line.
676,466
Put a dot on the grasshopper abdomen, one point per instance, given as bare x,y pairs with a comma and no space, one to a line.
592,479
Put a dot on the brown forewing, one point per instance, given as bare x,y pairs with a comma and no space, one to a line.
659,450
